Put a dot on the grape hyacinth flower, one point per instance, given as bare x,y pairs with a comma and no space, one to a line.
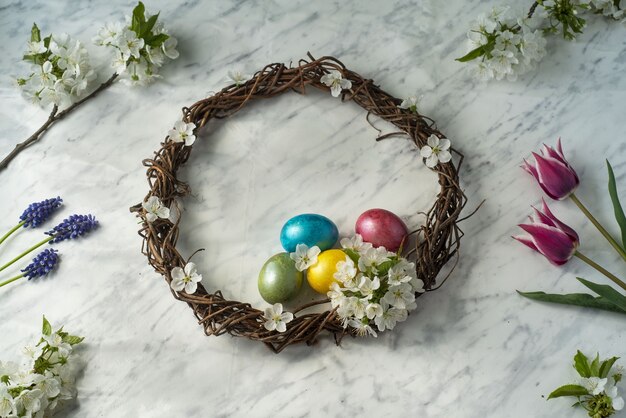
553,173
73,227
41,266
35,214
549,236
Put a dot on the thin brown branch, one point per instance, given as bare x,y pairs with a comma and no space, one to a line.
55,116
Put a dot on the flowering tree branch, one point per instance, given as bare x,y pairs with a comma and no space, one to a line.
55,115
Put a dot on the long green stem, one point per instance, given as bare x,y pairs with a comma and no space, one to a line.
599,226
11,280
31,249
601,269
12,230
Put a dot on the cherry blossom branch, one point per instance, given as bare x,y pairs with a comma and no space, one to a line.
55,115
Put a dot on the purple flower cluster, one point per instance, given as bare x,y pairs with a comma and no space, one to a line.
73,227
42,264
37,213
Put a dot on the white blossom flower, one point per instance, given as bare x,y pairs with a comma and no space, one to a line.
362,328
109,34
183,132
372,310
169,48
355,243
335,294
532,46
594,385
358,306
368,286
8,368
304,256
155,55
186,279
49,385
54,340
617,401
31,353
237,77
482,71
400,296
483,23
129,44
372,258
507,41
44,76
410,103
29,401
35,48
502,63
7,404
397,276
390,317
436,151
417,285
346,272
276,319
155,209
334,79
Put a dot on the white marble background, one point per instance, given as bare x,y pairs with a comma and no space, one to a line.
472,349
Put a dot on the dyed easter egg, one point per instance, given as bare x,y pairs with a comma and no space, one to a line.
320,274
381,228
309,229
279,280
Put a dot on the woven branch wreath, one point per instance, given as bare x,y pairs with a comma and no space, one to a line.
436,241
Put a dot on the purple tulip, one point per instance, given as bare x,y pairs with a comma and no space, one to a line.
549,236
553,173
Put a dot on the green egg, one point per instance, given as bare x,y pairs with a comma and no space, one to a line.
279,280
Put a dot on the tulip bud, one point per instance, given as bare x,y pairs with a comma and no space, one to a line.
549,236
553,173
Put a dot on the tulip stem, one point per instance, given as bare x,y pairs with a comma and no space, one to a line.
601,269
11,280
599,226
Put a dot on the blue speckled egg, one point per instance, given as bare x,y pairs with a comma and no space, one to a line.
310,229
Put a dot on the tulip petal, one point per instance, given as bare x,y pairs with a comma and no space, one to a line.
530,169
526,240
556,222
553,243
554,177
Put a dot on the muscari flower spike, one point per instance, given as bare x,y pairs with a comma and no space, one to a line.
42,264
38,212
73,227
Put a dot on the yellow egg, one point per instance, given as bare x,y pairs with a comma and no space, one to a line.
320,275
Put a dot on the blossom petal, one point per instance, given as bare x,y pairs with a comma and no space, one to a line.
151,217
286,317
177,284
190,140
444,156
433,141
177,273
426,151
278,308
270,325
335,90
190,268
432,161
281,326
618,403
444,144
191,287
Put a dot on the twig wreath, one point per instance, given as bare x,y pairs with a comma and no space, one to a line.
435,243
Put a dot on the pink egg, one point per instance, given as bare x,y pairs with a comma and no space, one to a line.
381,228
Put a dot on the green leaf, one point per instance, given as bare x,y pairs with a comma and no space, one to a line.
595,366
473,54
73,339
139,18
157,40
607,292
46,41
617,207
46,329
352,254
606,366
568,390
35,34
581,364
576,299
145,30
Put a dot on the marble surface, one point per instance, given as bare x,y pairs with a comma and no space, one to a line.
472,349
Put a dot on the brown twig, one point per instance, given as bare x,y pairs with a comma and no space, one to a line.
439,235
55,116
